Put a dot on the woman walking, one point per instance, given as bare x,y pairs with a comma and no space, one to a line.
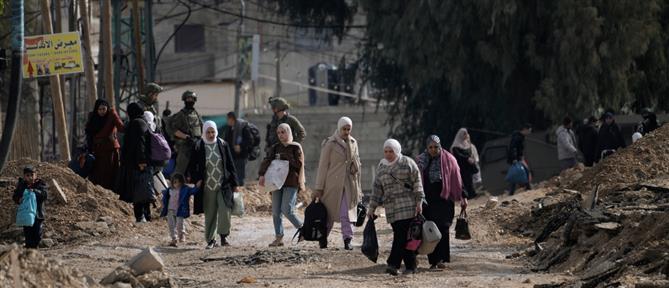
398,186
441,178
213,169
284,199
467,156
102,141
338,180
136,186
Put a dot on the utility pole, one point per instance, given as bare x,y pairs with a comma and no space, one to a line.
108,52
238,82
59,108
14,83
59,29
277,62
89,68
136,25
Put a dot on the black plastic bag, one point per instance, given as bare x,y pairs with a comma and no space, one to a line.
362,214
370,244
462,227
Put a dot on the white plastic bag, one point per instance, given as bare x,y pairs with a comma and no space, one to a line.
276,175
238,204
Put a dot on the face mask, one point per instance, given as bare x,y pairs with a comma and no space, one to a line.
189,105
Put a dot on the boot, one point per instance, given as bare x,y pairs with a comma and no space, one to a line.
278,242
323,243
224,240
347,244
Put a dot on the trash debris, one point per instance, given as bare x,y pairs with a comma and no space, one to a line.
247,280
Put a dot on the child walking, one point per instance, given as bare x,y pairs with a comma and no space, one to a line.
31,184
176,207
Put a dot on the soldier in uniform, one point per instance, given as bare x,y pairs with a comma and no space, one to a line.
185,128
280,108
148,102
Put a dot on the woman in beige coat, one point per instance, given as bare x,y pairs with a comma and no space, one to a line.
338,180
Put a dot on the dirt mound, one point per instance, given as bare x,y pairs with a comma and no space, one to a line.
90,209
29,268
258,201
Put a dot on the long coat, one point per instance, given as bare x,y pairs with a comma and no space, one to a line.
197,171
338,173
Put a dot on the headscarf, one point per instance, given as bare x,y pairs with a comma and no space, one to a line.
149,117
465,144
289,132
135,111
343,121
396,147
97,122
205,127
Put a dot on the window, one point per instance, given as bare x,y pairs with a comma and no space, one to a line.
190,38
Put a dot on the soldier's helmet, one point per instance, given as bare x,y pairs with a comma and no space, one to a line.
152,88
187,94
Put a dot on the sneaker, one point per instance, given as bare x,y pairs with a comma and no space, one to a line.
392,271
173,243
212,244
347,244
278,242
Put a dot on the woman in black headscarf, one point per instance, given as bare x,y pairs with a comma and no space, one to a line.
136,186
102,141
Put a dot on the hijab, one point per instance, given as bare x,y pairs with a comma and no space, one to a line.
205,127
97,122
396,147
135,111
286,127
149,118
462,143
289,132
343,121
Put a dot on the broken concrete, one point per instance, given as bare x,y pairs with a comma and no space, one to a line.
57,191
145,262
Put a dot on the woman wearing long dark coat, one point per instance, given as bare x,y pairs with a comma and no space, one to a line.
443,186
467,156
135,183
102,141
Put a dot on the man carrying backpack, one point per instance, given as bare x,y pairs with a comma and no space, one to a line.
243,137
31,184
185,128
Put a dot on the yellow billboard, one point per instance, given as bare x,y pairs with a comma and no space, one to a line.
52,54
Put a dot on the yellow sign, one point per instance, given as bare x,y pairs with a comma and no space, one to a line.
52,54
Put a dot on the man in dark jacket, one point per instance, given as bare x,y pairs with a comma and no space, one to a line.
649,123
31,183
610,139
516,152
238,134
587,141
136,153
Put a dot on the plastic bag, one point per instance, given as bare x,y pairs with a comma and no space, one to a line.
517,174
462,227
370,244
25,214
238,204
362,214
276,175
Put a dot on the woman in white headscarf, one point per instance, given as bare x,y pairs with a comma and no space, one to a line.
398,186
213,169
468,159
285,199
338,180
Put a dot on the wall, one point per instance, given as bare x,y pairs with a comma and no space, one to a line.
369,129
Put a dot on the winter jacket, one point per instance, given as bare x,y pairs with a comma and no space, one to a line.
184,201
106,139
197,171
136,185
516,150
566,143
244,139
137,144
293,154
40,190
399,189
610,138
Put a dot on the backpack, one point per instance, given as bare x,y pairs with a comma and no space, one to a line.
254,152
160,149
27,210
315,222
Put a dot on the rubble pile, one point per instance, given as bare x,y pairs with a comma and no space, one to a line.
268,257
258,201
29,268
145,270
84,209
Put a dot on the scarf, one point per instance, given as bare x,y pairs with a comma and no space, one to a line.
451,181
149,118
205,127
285,127
397,148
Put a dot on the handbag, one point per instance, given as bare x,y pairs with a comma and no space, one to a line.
415,233
362,214
462,227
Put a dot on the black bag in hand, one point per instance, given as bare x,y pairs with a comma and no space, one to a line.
462,227
362,214
370,244
315,222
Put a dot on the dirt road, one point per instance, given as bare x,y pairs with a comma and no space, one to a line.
301,265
